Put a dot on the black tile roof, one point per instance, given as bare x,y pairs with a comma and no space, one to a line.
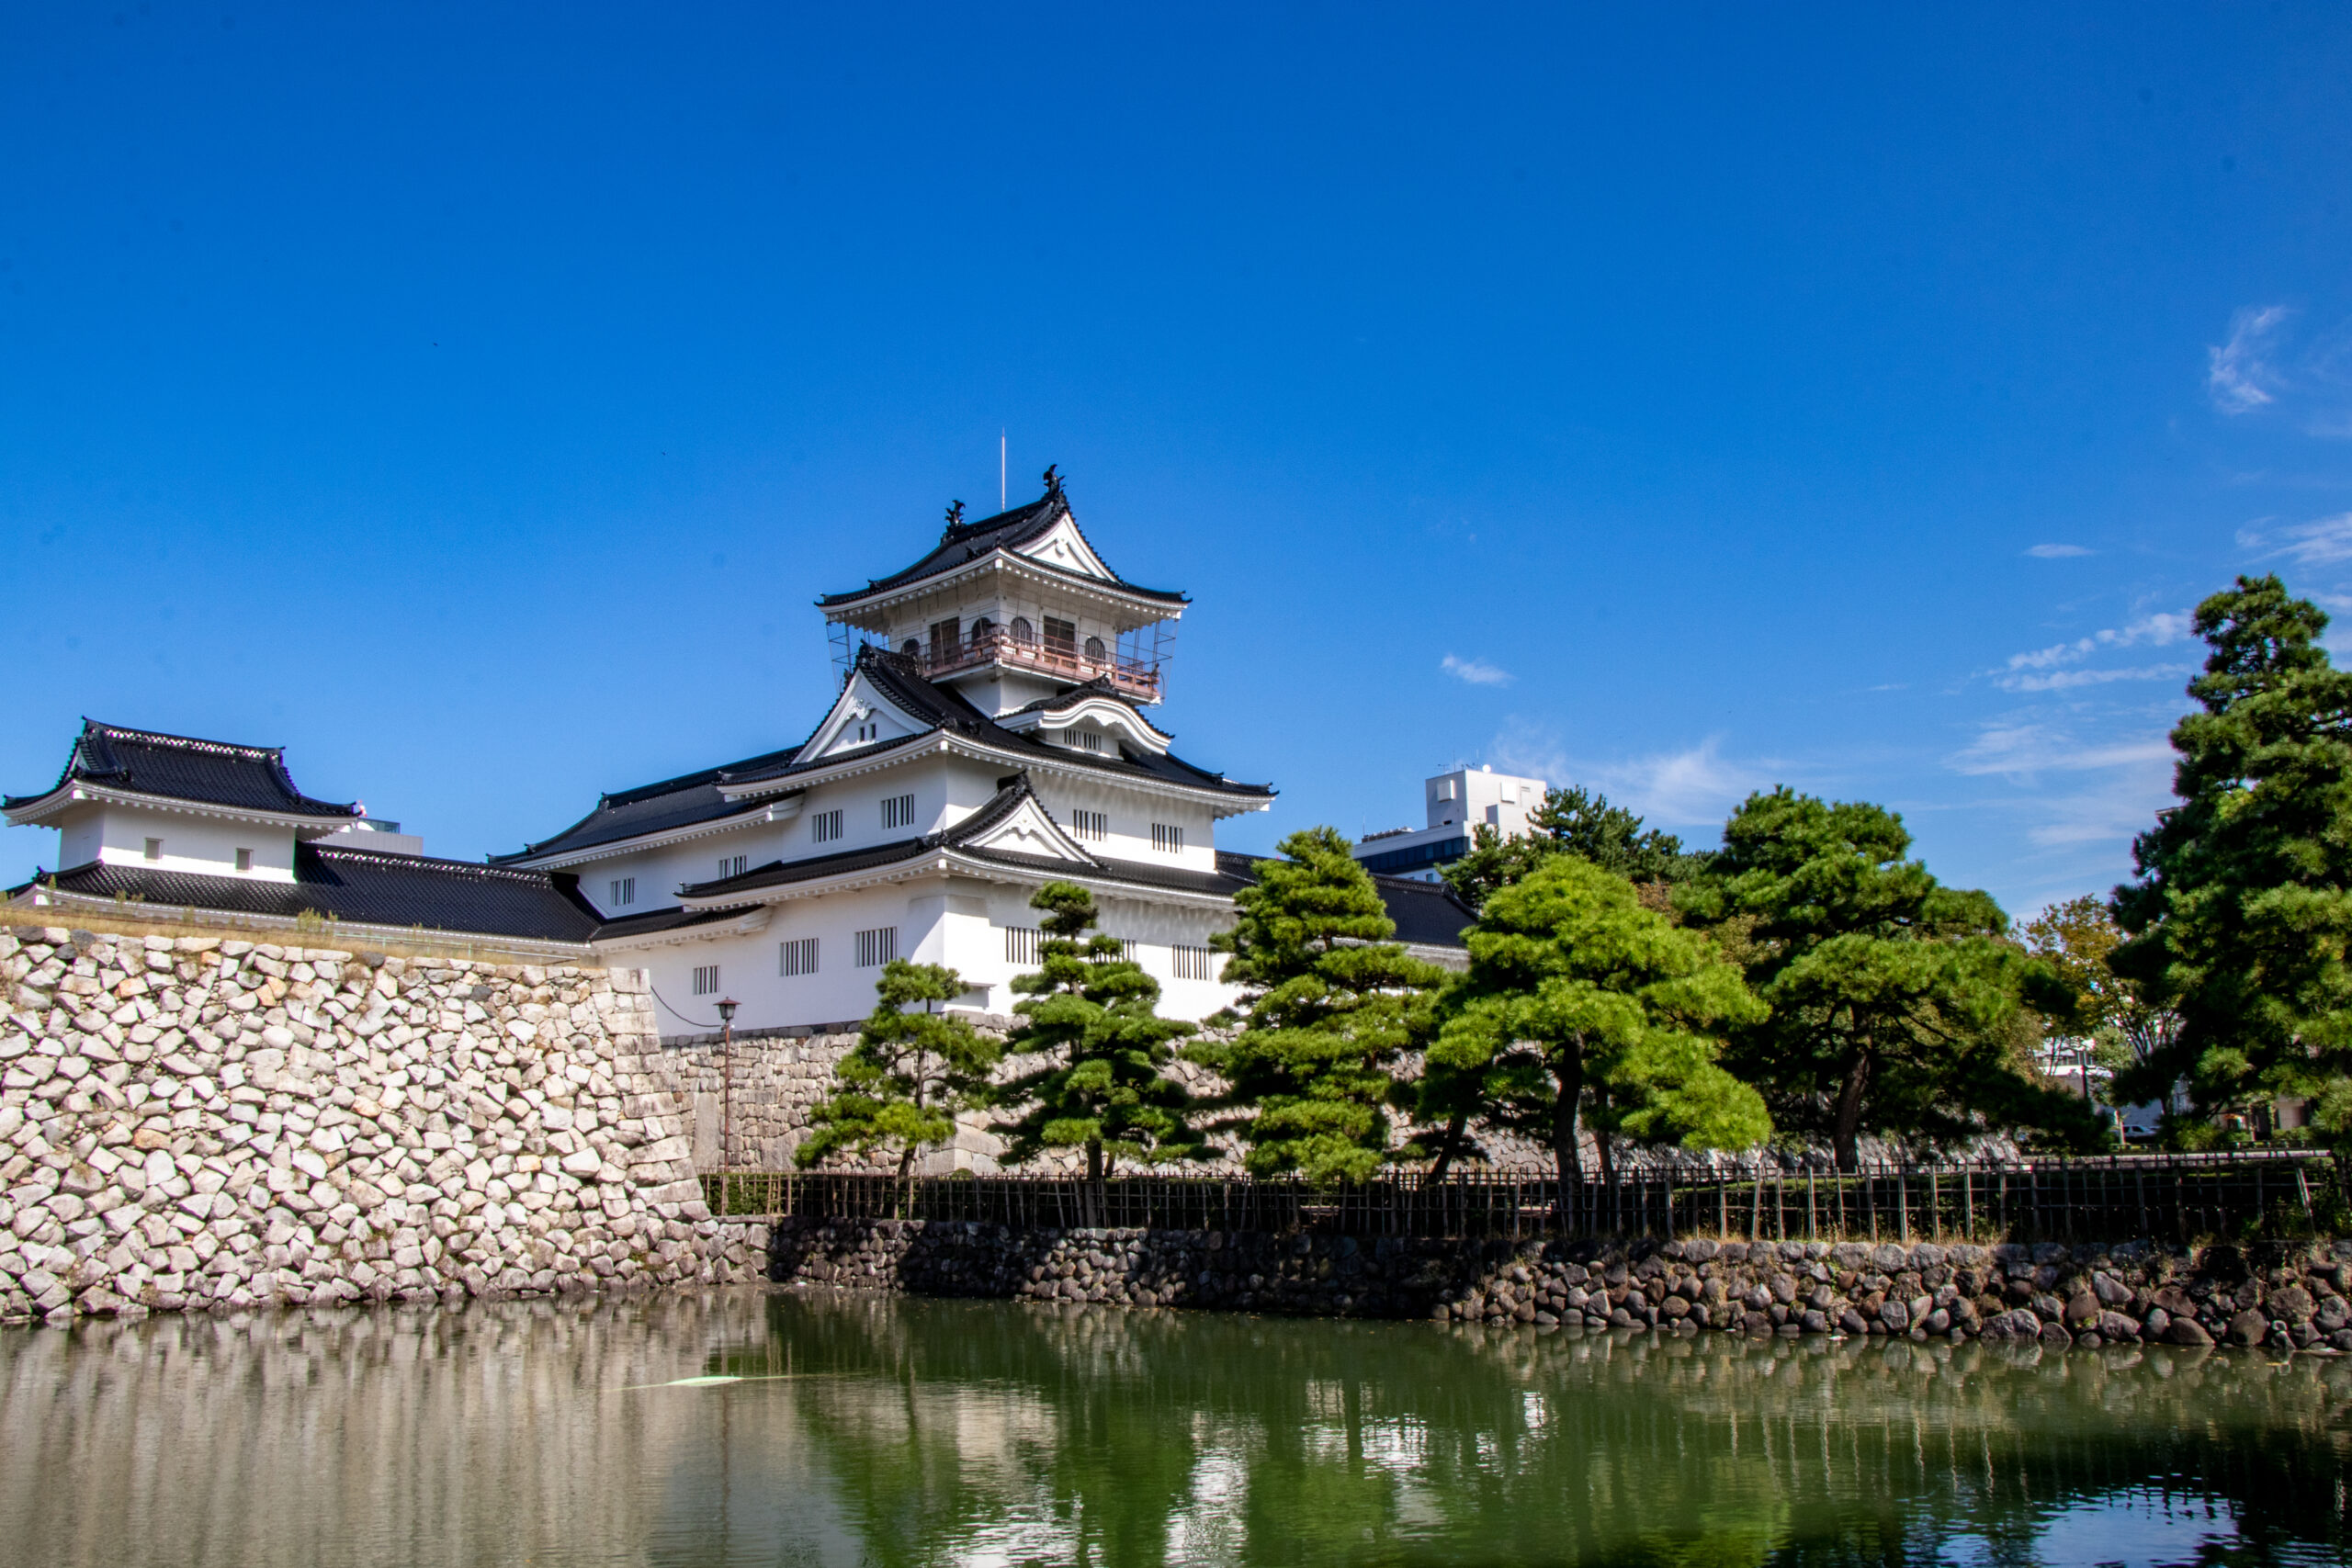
1173,878
367,885
779,873
1427,913
965,542
213,773
682,802
944,707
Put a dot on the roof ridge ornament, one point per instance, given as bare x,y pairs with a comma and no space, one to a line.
1053,480
954,519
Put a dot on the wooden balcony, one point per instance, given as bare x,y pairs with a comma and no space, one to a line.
1135,678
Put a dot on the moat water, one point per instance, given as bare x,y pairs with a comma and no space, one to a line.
752,1426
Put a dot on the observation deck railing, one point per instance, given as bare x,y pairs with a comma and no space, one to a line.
1137,678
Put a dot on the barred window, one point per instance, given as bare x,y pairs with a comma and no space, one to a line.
1021,944
898,810
1083,739
825,827
1167,838
733,865
877,947
1129,950
1089,824
1194,962
706,979
796,958
624,891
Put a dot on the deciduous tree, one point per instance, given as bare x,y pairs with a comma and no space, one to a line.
1330,1006
1103,1085
912,1069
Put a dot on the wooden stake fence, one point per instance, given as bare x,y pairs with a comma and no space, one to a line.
2174,1197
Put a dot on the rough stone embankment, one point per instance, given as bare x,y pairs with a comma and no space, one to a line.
192,1122
2131,1292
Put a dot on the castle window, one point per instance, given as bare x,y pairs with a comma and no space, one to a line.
877,947
825,827
244,859
1193,963
946,636
1094,652
1167,838
155,848
983,631
796,958
1023,632
706,979
733,865
912,647
898,810
624,891
1021,944
1083,739
1061,638
1090,825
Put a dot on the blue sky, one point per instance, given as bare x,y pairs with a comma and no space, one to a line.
1673,400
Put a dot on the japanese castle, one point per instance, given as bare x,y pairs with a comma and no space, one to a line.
992,733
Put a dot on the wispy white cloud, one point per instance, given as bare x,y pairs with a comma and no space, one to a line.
2029,672
1477,671
2068,680
2239,377
2321,542
2056,552
2132,781
1694,787
2021,749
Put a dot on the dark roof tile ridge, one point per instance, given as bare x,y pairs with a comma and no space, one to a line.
484,870
694,779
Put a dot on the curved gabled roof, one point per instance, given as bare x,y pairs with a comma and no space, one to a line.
683,802
944,708
967,542
179,767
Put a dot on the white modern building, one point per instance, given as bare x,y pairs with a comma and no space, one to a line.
1459,803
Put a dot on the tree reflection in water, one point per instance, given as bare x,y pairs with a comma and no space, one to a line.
975,1431
898,1431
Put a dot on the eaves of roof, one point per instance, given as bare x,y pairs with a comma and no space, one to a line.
184,768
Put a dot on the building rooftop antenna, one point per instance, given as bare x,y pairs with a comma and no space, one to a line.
1000,470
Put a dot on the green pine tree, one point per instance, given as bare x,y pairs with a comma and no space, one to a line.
1898,1005
909,1073
1582,1007
1576,822
1103,1086
1330,1004
2240,921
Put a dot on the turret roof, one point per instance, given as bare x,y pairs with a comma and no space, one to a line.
966,542
178,767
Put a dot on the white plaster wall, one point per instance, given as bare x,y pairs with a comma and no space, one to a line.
117,835
750,964
975,944
1132,812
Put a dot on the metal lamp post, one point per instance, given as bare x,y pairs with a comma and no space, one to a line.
727,1083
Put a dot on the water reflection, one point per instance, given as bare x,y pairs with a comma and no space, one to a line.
910,1432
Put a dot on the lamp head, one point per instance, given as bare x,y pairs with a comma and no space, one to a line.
727,1010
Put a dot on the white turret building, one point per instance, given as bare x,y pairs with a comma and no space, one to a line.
992,734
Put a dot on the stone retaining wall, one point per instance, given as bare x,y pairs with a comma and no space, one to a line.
2289,1298
189,1122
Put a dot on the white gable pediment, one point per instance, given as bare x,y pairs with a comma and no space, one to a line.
1029,830
861,716
1063,545
1105,713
